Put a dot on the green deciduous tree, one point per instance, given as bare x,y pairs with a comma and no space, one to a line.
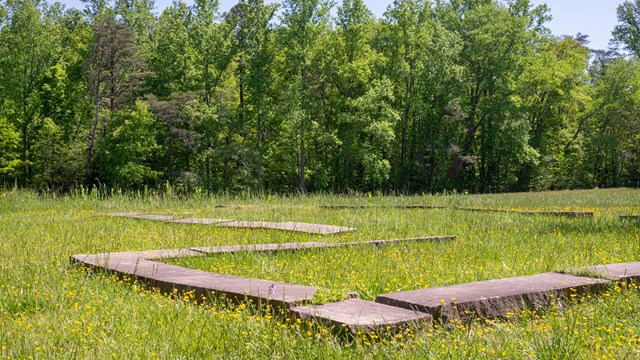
177,134
173,59
356,98
252,54
128,154
9,155
627,33
423,62
30,45
407,32
64,108
304,21
496,38
138,14
555,96
612,151
438,95
116,70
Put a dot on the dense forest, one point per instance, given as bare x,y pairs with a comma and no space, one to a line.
307,95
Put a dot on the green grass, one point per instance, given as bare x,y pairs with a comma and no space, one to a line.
488,246
50,309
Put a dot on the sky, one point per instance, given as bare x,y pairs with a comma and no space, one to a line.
597,18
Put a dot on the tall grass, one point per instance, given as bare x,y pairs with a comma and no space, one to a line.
50,309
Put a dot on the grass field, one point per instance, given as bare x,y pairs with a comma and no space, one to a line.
51,309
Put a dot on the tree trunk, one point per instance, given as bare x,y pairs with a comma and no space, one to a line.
27,119
92,139
259,146
25,150
241,91
207,85
170,156
208,169
303,185
405,124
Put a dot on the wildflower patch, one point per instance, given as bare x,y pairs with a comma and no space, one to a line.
144,267
491,299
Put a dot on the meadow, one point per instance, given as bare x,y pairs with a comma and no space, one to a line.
51,309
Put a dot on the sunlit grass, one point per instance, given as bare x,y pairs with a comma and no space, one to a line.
488,245
50,309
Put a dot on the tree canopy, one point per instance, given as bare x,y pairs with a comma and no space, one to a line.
309,95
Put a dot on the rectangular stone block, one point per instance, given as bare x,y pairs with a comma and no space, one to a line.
494,298
231,287
617,272
262,247
290,226
167,254
310,245
126,263
121,214
569,214
355,315
630,217
155,217
135,215
398,241
170,277
146,254
346,207
204,221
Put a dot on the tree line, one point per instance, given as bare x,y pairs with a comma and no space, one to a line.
464,95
